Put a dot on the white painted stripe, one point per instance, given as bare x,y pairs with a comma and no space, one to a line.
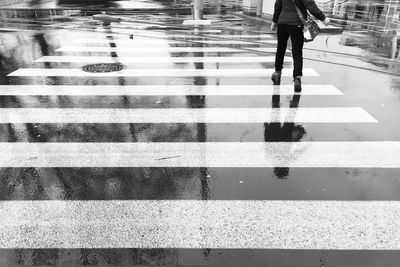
141,30
250,36
127,41
194,224
197,22
184,115
245,155
97,59
165,49
176,90
139,35
133,42
158,72
235,42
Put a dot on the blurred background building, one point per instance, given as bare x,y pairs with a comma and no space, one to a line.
376,15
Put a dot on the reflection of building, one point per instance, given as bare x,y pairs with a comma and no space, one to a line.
10,2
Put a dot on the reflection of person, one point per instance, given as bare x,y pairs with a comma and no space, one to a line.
288,132
288,23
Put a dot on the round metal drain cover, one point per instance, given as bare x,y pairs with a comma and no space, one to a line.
103,67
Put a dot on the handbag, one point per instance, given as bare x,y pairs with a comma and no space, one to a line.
311,28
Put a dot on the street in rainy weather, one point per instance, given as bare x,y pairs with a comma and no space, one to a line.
199,133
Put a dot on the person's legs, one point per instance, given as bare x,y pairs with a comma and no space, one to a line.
297,38
283,36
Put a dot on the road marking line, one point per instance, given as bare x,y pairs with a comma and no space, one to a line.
195,224
233,155
198,22
165,49
175,90
142,29
185,115
139,35
259,72
91,59
250,36
133,42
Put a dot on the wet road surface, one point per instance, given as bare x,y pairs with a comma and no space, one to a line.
114,168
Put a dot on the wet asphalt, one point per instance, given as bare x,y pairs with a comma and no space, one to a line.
356,62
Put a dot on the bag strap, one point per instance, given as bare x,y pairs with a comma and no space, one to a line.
299,13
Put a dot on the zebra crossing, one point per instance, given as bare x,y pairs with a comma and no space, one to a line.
156,72
223,224
183,115
88,59
194,224
169,90
215,154
152,50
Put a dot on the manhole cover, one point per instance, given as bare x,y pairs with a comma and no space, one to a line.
103,67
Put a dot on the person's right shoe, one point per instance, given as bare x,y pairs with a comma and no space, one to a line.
276,78
297,84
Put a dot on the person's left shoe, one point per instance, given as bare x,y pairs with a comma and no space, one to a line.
297,84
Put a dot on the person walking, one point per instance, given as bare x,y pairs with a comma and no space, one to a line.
288,24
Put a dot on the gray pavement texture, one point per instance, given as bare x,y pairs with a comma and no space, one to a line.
363,66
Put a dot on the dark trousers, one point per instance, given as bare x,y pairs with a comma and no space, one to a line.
297,38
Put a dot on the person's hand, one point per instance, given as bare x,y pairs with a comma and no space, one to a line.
273,26
327,21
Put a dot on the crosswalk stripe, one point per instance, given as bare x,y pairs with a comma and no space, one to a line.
140,35
133,42
176,90
165,49
184,115
89,59
210,154
158,72
140,29
234,224
250,36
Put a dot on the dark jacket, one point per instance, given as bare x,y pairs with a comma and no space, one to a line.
285,11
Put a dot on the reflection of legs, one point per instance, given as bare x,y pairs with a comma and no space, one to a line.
288,132
295,101
276,99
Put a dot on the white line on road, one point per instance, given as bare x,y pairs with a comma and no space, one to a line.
185,115
175,90
250,36
102,59
197,22
259,72
147,34
235,155
144,31
133,42
166,49
195,224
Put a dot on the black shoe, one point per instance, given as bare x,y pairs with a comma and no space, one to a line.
297,84
276,78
